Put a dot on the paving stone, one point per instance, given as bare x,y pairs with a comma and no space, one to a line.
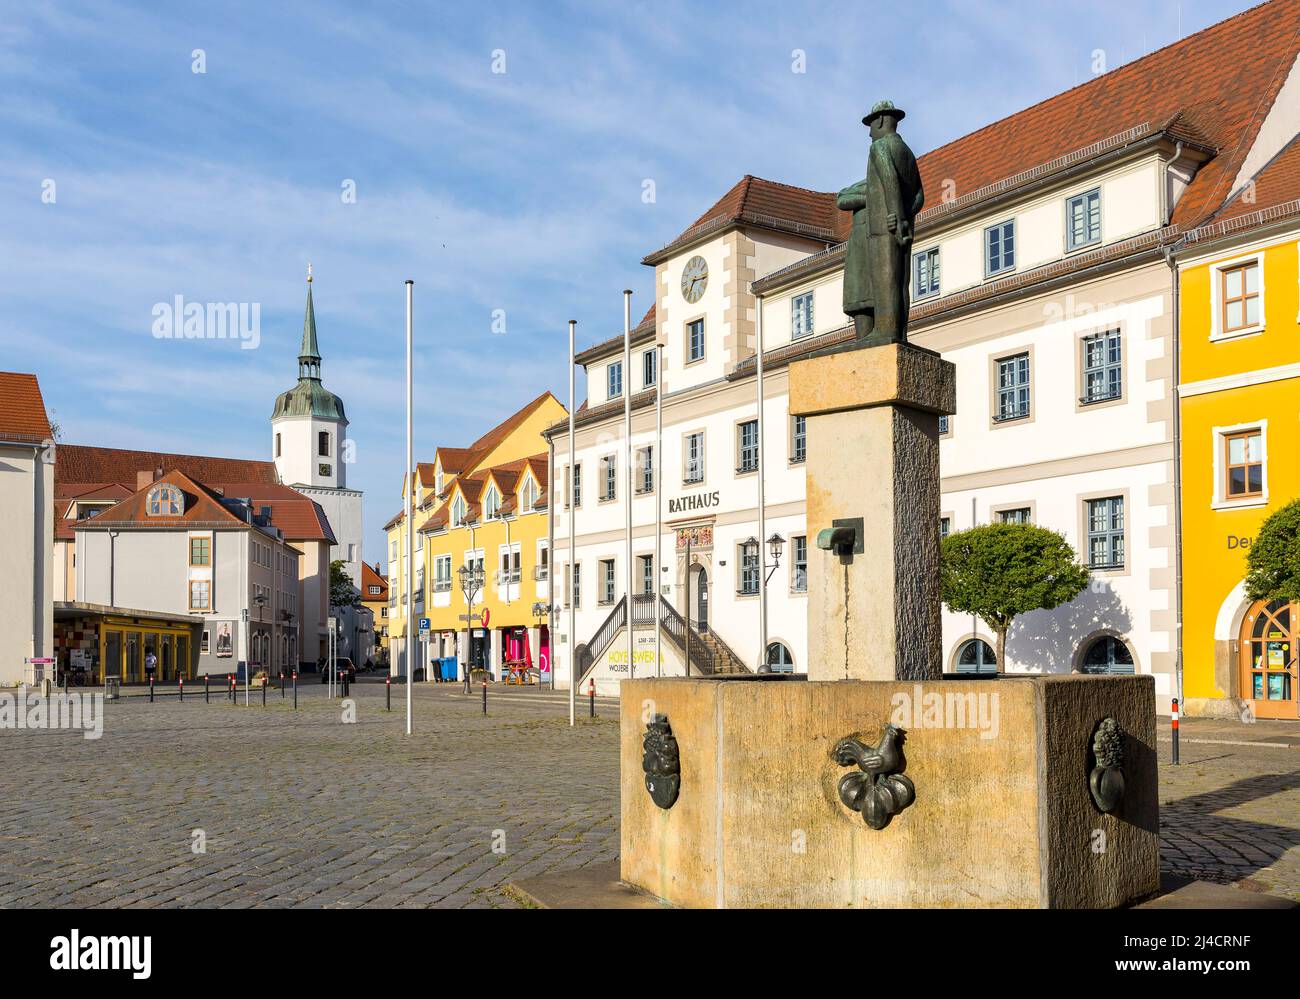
301,810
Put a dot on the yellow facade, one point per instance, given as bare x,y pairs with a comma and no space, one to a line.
1240,428
512,544
498,458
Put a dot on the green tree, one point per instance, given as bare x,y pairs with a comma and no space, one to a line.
342,592
999,571
1273,561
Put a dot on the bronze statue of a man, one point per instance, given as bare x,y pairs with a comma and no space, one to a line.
884,206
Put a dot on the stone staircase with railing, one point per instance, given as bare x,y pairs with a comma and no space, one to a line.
709,654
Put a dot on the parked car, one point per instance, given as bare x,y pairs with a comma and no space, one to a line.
343,666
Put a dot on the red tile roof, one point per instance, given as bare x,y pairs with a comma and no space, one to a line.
201,506
299,517
115,475
370,576
82,463
1273,194
1212,88
22,410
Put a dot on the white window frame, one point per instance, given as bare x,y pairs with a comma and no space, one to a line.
802,319
1000,228
704,340
936,273
1070,245
686,458
614,380
1217,335
649,367
1220,499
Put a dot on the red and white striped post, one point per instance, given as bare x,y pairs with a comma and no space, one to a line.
1173,721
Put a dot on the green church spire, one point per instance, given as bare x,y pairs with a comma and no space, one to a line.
309,352
309,397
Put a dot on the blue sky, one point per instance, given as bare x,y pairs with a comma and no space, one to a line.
518,190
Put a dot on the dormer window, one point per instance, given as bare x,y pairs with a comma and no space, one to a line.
492,503
458,511
165,501
528,495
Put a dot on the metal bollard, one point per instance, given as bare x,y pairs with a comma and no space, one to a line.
388,691
180,683
295,690
150,690
485,695
591,696
1174,722
282,685
264,691
206,678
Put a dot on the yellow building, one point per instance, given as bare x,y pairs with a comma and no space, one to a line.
480,507
1239,391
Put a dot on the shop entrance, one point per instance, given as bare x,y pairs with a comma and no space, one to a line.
1268,658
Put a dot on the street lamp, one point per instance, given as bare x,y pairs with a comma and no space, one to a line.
775,545
471,581
260,600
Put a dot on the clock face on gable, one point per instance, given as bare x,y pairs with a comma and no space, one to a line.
695,278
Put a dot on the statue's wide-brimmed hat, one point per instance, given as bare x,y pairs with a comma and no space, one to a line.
884,107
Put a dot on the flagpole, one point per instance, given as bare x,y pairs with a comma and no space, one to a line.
762,492
573,565
410,496
627,438
656,472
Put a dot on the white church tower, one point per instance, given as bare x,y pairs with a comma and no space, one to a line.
312,453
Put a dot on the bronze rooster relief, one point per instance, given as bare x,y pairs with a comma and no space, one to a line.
878,788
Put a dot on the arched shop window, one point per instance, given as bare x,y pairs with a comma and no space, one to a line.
779,659
976,656
1108,655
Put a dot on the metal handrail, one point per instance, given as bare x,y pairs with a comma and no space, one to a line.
675,626
586,655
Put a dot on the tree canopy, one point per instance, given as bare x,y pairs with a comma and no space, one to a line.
1273,560
342,592
999,571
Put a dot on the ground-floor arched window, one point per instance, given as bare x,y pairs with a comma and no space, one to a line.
779,659
1270,636
1108,655
976,656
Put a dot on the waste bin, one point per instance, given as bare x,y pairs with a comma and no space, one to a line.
450,669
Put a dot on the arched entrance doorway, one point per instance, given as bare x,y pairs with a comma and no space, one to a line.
1268,658
701,599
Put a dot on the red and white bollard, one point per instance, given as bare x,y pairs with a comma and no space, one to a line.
591,696
1173,721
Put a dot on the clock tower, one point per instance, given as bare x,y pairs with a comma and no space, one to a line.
308,425
310,447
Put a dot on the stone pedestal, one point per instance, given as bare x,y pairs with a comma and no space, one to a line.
1003,815
873,455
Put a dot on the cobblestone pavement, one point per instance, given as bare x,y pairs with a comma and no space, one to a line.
1230,813
301,810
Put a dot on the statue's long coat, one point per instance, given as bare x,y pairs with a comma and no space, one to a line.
892,184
